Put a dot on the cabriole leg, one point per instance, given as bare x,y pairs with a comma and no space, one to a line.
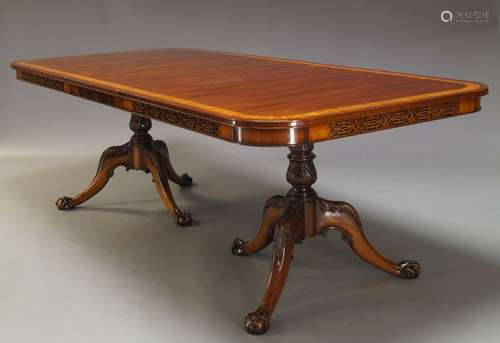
111,158
273,209
289,219
141,153
287,231
343,217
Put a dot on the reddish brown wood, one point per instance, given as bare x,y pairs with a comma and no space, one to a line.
341,216
273,210
254,100
288,230
261,101
111,158
141,153
300,214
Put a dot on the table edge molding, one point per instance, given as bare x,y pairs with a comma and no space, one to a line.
265,135
233,117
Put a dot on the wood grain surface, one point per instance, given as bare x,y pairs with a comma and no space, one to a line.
253,99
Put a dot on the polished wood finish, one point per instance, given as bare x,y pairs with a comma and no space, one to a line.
261,101
342,217
141,153
301,214
254,100
273,210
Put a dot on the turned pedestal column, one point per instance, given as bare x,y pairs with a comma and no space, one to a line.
140,153
300,214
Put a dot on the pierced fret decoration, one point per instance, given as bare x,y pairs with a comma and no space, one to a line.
176,117
413,115
42,81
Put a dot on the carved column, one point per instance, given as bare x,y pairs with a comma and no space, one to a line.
289,220
301,173
140,153
140,126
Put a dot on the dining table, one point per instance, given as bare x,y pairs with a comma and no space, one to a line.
255,101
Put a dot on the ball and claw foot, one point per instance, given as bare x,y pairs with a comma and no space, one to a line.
257,322
184,219
236,247
409,269
186,180
65,203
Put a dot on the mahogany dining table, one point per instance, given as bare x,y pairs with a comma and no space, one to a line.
256,101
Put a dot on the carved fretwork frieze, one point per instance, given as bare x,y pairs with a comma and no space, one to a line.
99,97
42,81
175,117
178,118
413,115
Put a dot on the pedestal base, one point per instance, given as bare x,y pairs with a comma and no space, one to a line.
141,153
290,219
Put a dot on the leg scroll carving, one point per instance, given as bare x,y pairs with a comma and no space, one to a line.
140,153
161,149
111,158
287,220
156,166
287,231
343,217
273,209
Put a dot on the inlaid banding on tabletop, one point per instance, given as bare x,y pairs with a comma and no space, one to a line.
254,100
258,101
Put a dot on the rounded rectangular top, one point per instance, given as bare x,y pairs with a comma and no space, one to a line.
254,100
240,88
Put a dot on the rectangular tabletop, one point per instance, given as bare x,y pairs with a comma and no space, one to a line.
253,99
